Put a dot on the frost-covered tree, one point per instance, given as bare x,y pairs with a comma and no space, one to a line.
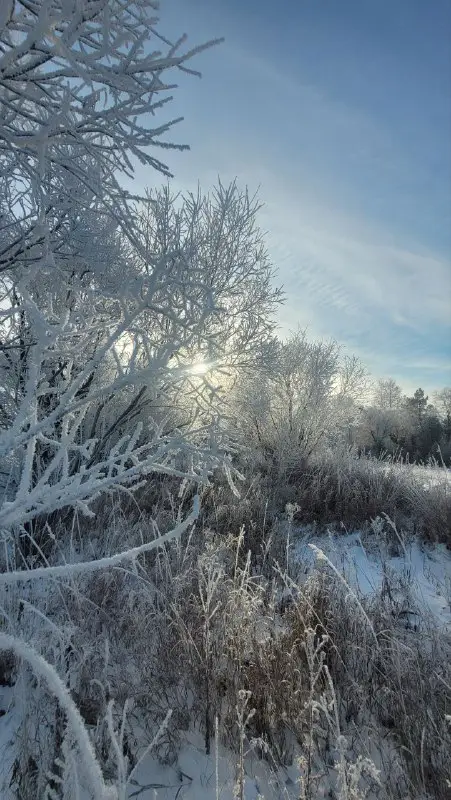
442,400
305,397
387,394
81,82
384,430
219,234
353,380
198,287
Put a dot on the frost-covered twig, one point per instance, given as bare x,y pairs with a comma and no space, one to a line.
41,668
83,567
78,86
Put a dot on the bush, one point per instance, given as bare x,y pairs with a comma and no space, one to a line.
337,486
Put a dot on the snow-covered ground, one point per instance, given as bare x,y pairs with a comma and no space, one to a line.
200,777
9,724
195,776
378,560
429,476
419,573
371,562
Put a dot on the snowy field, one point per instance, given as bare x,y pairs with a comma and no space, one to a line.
428,476
201,777
374,563
195,776
371,565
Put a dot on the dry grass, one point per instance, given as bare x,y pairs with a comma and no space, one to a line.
338,487
336,683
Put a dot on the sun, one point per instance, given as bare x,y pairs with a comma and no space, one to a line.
199,368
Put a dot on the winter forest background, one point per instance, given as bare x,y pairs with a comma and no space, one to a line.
224,556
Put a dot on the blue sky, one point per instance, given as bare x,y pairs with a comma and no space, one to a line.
340,111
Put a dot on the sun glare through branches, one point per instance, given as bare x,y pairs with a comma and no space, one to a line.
200,368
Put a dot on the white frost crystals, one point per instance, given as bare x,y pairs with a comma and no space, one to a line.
80,80
74,721
55,400
90,320
106,300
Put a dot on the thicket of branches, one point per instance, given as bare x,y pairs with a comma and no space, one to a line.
105,297
312,396
410,428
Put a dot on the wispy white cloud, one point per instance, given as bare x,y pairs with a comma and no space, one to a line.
346,268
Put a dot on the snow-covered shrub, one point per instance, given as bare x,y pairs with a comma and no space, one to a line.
392,683
339,486
302,400
79,83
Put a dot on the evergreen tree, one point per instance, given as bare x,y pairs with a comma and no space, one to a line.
418,404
